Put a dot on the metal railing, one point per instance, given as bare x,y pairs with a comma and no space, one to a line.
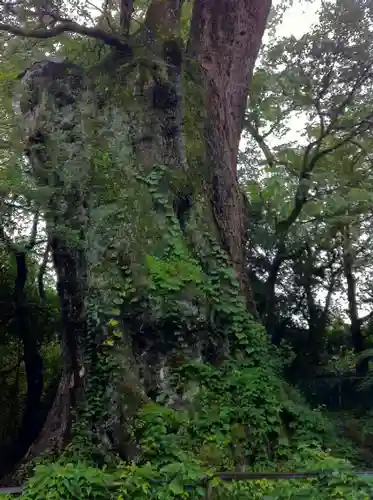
247,476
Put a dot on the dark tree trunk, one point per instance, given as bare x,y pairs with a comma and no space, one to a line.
32,417
357,336
270,316
66,220
71,271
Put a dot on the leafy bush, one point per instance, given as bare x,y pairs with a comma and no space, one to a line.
240,415
72,480
187,480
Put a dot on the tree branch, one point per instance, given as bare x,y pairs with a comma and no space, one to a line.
70,27
269,156
125,14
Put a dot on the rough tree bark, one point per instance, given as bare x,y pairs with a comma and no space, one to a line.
52,89
224,39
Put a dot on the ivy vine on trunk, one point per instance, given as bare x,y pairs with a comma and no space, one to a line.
224,41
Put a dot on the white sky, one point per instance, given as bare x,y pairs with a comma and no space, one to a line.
298,19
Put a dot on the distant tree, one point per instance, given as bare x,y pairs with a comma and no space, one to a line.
310,190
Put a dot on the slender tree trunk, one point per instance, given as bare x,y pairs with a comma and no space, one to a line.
32,417
357,337
270,313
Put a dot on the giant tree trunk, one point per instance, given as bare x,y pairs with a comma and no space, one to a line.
224,40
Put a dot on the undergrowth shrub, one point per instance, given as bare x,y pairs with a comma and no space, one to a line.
187,480
242,416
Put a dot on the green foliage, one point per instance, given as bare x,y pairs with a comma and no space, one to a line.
170,472
173,274
176,480
151,282
73,480
335,481
237,412
43,316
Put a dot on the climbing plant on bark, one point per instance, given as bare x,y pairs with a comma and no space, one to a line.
147,81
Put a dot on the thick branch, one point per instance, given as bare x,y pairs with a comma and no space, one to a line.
356,334
69,27
328,299
34,368
225,38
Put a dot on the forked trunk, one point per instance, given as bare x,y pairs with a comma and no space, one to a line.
224,40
